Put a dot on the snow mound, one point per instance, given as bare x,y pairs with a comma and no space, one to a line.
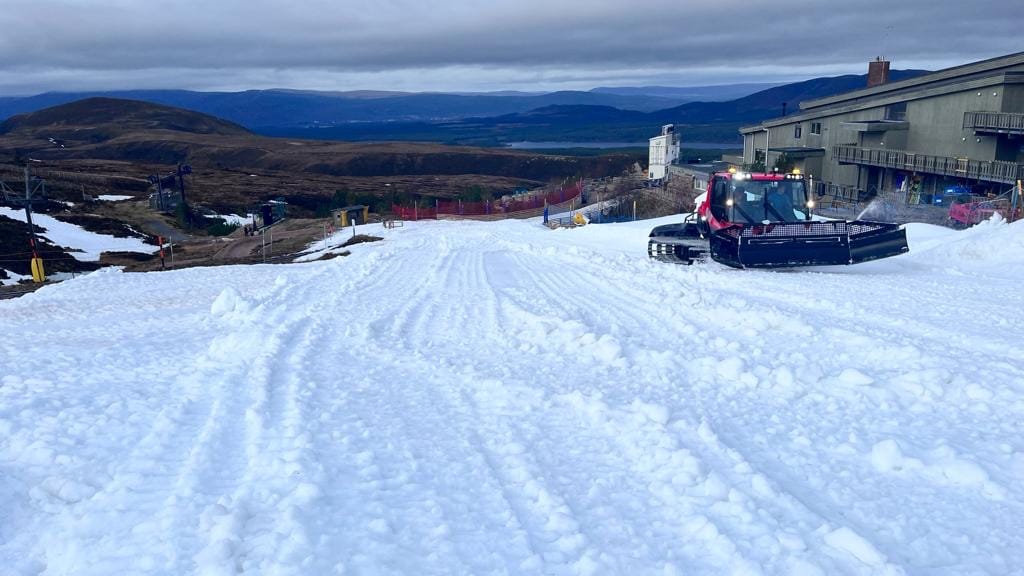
993,242
230,305
849,541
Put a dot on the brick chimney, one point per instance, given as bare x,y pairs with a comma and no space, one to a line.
878,72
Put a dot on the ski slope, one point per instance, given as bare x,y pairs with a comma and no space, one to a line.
498,398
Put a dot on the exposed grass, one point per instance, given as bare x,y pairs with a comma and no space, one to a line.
333,255
221,228
360,239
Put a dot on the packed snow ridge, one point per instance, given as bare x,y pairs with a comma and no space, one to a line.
498,398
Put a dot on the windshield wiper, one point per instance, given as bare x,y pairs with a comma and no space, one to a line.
772,209
750,220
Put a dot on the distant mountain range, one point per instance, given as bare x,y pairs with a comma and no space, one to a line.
701,121
303,108
690,93
623,114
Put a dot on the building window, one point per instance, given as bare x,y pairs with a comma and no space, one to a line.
897,111
815,127
798,131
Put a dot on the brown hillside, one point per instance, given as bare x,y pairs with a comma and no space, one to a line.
124,130
101,119
107,146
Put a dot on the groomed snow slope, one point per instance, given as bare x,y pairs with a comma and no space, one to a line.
474,398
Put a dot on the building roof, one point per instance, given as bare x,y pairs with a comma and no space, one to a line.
968,76
956,73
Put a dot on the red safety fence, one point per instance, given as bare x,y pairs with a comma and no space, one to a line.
415,212
460,208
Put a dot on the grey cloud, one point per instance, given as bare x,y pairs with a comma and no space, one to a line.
210,44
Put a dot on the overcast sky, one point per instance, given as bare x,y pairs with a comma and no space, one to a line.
464,45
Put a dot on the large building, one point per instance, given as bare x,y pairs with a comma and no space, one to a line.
663,152
958,127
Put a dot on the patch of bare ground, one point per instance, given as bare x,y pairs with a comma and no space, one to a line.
361,238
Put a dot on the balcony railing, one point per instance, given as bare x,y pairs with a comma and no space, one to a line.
989,170
1002,122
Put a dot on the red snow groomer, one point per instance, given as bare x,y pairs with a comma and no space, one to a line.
763,220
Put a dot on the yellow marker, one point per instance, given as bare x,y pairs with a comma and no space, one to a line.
796,171
38,274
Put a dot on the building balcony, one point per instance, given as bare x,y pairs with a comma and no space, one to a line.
994,122
988,170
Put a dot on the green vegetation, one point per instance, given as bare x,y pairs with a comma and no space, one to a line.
183,215
784,163
221,227
377,203
476,194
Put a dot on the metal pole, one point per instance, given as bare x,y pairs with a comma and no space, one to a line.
767,137
810,195
170,242
1016,198
271,240
181,184
28,213
36,265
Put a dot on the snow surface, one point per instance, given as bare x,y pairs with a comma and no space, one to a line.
114,197
87,246
235,219
498,398
12,277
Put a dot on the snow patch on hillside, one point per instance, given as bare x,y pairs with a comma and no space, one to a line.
82,244
12,278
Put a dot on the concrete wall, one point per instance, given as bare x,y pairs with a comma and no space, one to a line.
893,139
1013,98
751,144
936,124
698,178
662,152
